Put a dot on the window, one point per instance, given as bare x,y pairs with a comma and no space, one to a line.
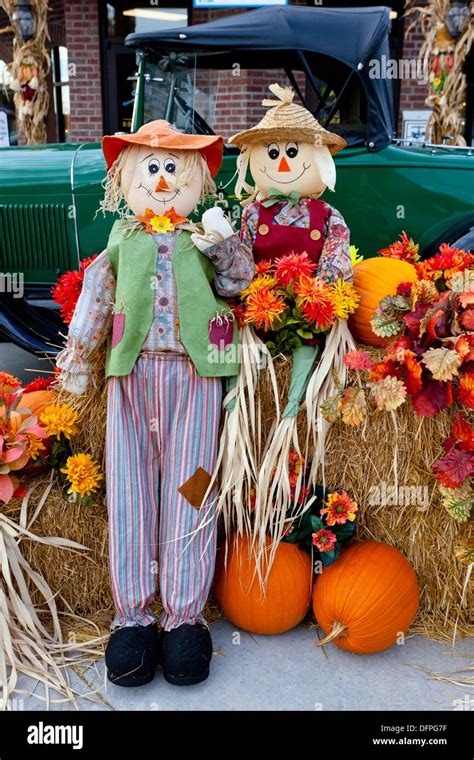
118,19
8,129
60,73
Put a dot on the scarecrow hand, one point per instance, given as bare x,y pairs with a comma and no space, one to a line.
216,229
76,384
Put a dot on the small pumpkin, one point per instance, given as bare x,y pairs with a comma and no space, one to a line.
367,598
373,280
287,596
36,401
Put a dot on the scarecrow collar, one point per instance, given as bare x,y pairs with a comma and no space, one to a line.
166,222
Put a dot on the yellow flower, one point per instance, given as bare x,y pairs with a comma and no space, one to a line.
437,81
57,419
35,447
262,280
83,474
344,298
161,224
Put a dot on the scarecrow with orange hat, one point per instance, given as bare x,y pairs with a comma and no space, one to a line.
152,293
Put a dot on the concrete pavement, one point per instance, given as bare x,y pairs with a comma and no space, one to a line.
288,672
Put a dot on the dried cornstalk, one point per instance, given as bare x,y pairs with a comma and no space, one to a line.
32,124
445,119
31,643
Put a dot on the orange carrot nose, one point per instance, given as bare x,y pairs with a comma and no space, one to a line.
283,165
162,184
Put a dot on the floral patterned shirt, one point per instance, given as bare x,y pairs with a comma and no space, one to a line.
93,315
335,259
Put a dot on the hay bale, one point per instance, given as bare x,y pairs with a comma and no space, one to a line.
80,579
359,460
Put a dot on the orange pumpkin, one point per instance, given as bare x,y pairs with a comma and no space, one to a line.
286,599
373,280
365,599
36,401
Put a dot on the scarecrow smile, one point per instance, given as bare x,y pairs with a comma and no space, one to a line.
288,182
160,200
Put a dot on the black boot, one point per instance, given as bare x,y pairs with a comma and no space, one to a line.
132,655
186,652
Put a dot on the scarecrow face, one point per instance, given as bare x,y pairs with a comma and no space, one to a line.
152,180
287,166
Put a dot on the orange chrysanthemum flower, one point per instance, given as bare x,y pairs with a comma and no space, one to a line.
264,307
320,314
404,249
311,290
314,298
446,263
263,267
294,467
290,268
8,383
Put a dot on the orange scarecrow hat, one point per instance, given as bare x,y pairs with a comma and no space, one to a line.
160,134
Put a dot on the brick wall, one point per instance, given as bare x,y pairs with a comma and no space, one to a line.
412,94
82,40
239,94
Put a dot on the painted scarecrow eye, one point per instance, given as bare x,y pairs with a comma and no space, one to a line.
291,150
154,166
273,151
169,166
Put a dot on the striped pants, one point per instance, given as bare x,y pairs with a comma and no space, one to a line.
162,438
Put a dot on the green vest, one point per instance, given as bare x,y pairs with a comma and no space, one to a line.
133,259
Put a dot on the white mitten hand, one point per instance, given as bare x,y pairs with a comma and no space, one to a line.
216,229
76,384
214,220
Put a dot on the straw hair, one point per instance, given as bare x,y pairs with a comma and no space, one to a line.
288,121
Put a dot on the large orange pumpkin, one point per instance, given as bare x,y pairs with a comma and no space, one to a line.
373,280
365,599
36,401
288,592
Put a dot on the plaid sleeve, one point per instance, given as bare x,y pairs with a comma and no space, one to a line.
233,264
248,224
92,318
335,261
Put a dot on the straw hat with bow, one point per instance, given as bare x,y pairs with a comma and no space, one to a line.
288,121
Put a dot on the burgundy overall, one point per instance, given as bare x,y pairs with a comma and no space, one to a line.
275,240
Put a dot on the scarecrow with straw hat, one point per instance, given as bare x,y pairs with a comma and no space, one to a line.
289,155
152,294
290,158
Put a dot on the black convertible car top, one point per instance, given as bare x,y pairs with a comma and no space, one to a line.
301,38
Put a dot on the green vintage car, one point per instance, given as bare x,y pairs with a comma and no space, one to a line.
49,194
